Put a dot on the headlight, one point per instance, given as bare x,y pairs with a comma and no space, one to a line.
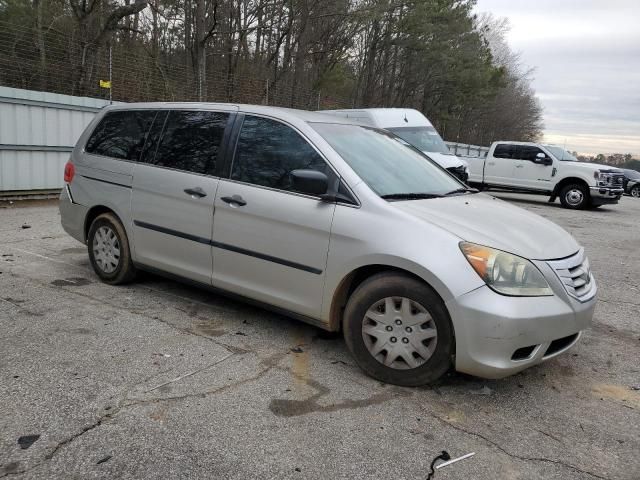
506,273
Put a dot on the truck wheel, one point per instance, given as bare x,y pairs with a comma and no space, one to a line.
398,330
635,191
109,251
574,196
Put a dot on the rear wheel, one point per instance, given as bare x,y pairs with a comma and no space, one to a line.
635,191
398,330
109,251
574,196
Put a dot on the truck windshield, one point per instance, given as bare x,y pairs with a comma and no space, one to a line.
423,138
561,154
389,167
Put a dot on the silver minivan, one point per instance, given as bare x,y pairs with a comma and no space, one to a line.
340,225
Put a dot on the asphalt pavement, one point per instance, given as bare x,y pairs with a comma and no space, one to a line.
161,380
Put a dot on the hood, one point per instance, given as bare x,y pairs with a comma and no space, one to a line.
485,220
446,160
597,166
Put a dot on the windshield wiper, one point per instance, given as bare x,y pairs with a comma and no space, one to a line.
409,196
461,190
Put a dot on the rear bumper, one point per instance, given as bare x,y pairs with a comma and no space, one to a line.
72,215
602,195
497,336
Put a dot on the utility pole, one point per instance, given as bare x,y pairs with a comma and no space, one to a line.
110,75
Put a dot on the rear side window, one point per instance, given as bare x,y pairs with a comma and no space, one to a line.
267,151
191,141
504,150
121,134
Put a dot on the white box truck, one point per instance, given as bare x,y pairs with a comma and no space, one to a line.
414,128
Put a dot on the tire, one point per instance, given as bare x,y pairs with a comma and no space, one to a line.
635,191
109,250
371,300
575,196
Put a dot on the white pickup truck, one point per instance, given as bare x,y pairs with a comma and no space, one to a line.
547,169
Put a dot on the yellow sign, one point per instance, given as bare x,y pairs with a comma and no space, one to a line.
105,83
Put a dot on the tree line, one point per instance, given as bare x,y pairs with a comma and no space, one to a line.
433,55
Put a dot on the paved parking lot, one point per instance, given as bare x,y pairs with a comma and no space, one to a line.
161,380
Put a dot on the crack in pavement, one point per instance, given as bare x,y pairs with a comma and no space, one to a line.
103,418
510,454
70,439
142,313
606,300
191,373
270,363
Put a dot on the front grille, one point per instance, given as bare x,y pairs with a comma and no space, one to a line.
612,180
575,274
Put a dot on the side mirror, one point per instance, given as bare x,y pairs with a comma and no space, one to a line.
542,159
310,182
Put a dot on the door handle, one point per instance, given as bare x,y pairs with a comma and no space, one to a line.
491,163
237,199
195,192
519,166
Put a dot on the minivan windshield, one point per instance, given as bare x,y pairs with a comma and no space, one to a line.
423,138
392,169
561,154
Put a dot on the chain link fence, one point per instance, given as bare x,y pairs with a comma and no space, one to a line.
58,62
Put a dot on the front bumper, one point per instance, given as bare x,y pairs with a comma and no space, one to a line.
495,333
602,195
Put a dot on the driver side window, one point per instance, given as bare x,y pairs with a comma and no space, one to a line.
267,151
526,152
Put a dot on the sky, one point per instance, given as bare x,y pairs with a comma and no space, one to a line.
586,55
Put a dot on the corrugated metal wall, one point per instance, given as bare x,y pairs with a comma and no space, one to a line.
39,129
37,132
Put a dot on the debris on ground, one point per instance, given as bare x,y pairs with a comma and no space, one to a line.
454,460
102,460
25,226
26,441
297,350
444,455
482,391
241,334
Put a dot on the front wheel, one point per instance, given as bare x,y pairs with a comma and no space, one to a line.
575,196
109,251
635,191
398,330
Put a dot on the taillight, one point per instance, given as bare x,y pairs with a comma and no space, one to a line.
69,172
